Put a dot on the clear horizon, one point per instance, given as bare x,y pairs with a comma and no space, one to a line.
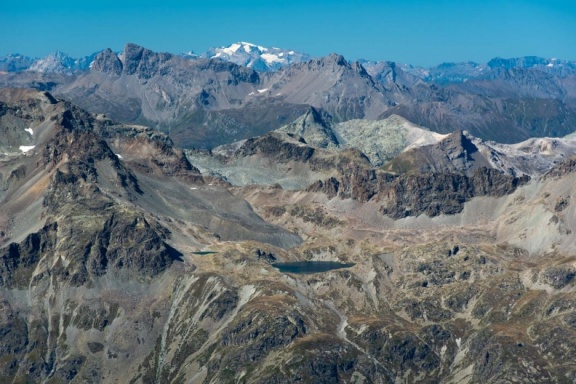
420,33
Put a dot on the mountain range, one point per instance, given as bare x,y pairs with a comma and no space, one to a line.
171,218
125,258
207,102
204,102
265,59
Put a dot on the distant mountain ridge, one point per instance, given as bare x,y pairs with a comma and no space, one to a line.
245,54
57,62
267,59
206,102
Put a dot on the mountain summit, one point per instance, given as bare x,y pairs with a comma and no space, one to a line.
256,57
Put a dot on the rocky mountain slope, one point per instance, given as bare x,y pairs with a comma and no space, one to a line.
121,262
314,148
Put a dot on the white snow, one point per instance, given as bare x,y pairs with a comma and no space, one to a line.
550,65
247,47
119,156
231,49
262,90
26,148
251,94
193,188
30,131
270,58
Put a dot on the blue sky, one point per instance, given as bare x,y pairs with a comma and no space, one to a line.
410,31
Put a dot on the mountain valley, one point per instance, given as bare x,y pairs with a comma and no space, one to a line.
147,199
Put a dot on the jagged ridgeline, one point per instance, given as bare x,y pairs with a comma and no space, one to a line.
245,90
124,258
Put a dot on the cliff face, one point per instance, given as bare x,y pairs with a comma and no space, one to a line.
431,194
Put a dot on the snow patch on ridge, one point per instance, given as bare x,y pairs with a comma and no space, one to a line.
248,47
231,49
270,58
256,56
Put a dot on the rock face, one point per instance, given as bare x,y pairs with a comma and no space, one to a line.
313,129
107,62
142,62
455,153
411,195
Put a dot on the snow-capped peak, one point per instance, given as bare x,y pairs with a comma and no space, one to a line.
231,49
256,56
60,62
248,47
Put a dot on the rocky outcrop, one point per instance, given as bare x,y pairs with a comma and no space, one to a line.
566,167
454,154
431,194
280,147
313,129
107,62
142,62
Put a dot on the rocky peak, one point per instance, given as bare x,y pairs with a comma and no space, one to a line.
312,116
333,60
142,62
107,62
388,72
458,145
256,57
454,154
314,129
337,59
